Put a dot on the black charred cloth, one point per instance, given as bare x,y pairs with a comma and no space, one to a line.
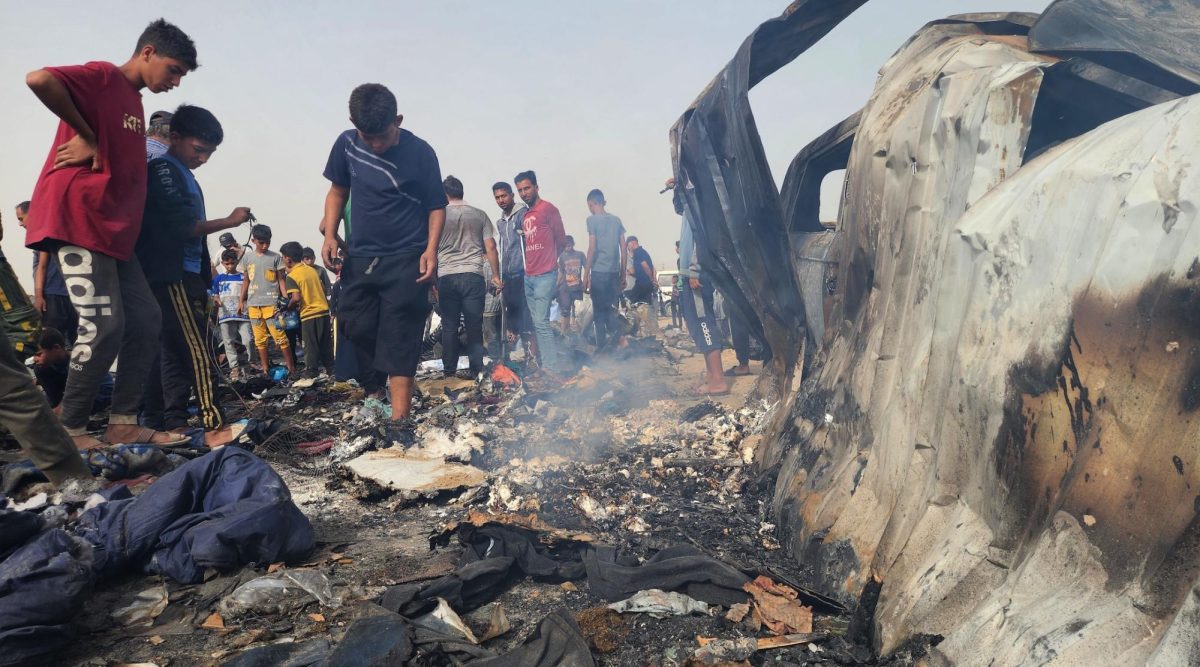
470,587
683,568
223,510
534,558
290,654
45,575
557,642
374,641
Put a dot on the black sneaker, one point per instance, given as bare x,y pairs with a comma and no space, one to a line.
400,433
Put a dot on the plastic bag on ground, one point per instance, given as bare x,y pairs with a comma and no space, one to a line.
279,593
660,604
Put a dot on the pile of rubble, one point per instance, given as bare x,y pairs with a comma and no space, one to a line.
605,522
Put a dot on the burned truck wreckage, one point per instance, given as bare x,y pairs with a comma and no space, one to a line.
988,371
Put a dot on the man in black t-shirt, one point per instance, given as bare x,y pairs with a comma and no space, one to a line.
399,207
643,273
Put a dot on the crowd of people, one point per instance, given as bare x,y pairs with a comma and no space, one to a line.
118,228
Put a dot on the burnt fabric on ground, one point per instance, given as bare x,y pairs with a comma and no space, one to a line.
381,640
434,648
556,641
222,510
534,558
291,654
44,577
470,587
681,568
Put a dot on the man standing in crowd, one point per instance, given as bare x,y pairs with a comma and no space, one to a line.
87,208
50,290
645,286
697,305
512,268
174,256
398,205
570,283
158,135
603,275
467,238
544,242
228,242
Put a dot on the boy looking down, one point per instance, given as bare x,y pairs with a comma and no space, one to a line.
172,251
305,291
87,207
394,182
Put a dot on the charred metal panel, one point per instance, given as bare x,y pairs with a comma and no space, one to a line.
1011,440
728,189
1157,41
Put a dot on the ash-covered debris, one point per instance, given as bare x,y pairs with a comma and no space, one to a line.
548,503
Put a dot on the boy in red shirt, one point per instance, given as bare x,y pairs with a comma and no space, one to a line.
87,207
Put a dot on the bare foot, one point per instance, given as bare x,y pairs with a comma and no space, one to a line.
219,437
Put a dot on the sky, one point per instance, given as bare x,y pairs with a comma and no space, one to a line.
582,93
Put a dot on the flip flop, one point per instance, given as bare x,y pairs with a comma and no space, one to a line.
732,372
700,392
145,435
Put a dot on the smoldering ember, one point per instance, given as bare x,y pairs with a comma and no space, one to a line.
956,426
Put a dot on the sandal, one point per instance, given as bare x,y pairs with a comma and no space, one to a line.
704,393
145,435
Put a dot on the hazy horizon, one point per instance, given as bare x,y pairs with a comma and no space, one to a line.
583,95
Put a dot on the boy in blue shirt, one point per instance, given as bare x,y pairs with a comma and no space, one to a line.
173,254
227,296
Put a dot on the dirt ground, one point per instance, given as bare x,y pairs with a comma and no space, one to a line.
624,435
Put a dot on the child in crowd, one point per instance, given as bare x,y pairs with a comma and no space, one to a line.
264,286
174,257
570,282
50,366
305,291
227,291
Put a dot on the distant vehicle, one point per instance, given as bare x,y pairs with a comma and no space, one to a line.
666,290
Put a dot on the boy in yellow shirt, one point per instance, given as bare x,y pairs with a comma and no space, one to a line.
305,291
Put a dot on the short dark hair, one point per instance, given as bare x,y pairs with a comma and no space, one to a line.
229,255
596,196
501,185
570,240
260,232
527,176
631,238
51,338
24,206
453,187
197,123
372,108
308,252
170,42
292,251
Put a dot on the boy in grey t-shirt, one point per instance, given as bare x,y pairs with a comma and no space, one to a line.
603,275
264,285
